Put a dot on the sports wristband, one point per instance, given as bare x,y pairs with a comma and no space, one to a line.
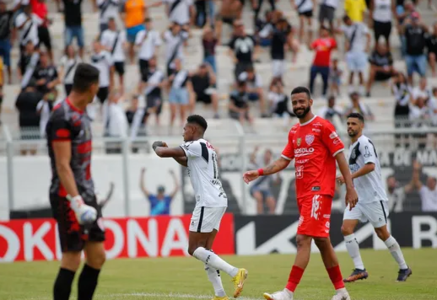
260,172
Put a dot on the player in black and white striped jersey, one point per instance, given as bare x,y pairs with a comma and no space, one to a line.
199,156
372,204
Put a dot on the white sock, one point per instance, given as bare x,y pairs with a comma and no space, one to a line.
354,251
216,280
341,291
290,293
213,260
396,252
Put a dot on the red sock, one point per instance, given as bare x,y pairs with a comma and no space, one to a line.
294,278
336,277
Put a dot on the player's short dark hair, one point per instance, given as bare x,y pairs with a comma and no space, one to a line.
301,89
198,120
346,18
356,116
85,76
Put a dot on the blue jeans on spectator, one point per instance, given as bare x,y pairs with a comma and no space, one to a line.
324,71
416,63
72,32
5,51
210,59
211,12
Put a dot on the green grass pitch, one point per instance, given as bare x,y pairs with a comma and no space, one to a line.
184,278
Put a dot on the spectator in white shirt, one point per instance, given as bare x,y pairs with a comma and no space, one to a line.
136,116
114,41
421,91
175,39
179,96
147,43
305,10
254,87
428,192
101,59
107,9
330,111
27,24
278,101
44,109
115,122
68,67
356,106
179,11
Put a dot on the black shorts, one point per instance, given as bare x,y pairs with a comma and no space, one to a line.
204,98
144,68
119,67
326,13
72,235
44,37
154,102
103,94
306,14
381,76
382,29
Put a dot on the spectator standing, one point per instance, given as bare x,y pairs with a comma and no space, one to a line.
327,13
322,59
432,50
382,12
6,17
203,81
115,122
135,116
209,42
239,104
243,49
428,192
397,194
40,9
261,189
179,11
257,5
381,66
68,67
152,90
159,203
402,93
415,36
179,93
147,41
254,87
108,9
175,39
27,64
278,101
73,24
356,106
304,9
101,59
335,74
330,111
44,109
421,91
45,74
355,9
28,117
357,45
27,24
114,41
134,13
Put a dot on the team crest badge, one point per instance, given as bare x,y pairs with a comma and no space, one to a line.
309,139
298,141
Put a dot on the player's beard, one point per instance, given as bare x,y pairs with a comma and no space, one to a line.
302,113
352,133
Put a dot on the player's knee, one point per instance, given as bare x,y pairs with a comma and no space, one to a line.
382,233
346,230
96,260
70,261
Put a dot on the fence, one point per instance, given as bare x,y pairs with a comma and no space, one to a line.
24,180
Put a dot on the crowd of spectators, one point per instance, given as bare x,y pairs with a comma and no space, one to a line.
366,26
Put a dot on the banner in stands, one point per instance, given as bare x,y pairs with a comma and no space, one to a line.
277,234
37,239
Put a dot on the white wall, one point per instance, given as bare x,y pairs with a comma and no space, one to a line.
32,180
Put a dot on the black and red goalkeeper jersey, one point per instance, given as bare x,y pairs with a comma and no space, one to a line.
67,123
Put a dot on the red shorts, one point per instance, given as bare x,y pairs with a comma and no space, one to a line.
315,215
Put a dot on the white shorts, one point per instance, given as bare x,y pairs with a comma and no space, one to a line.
206,219
375,212
356,61
278,67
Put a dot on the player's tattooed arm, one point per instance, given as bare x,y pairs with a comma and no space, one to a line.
276,166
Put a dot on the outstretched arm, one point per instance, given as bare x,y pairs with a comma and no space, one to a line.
274,167
142,183
416,175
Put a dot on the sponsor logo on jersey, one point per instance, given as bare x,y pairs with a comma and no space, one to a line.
302,161
309,139
315,188
303,151
326,216
316,130
327,225
353,154
367,152
318,124
299,140
333,135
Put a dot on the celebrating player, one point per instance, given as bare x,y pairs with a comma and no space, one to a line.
72,195
211,202
315,146
366,173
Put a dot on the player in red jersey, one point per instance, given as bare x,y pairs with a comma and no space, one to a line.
315,146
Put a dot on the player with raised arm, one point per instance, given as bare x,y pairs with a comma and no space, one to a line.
315,146
72,194
211,202
372,205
